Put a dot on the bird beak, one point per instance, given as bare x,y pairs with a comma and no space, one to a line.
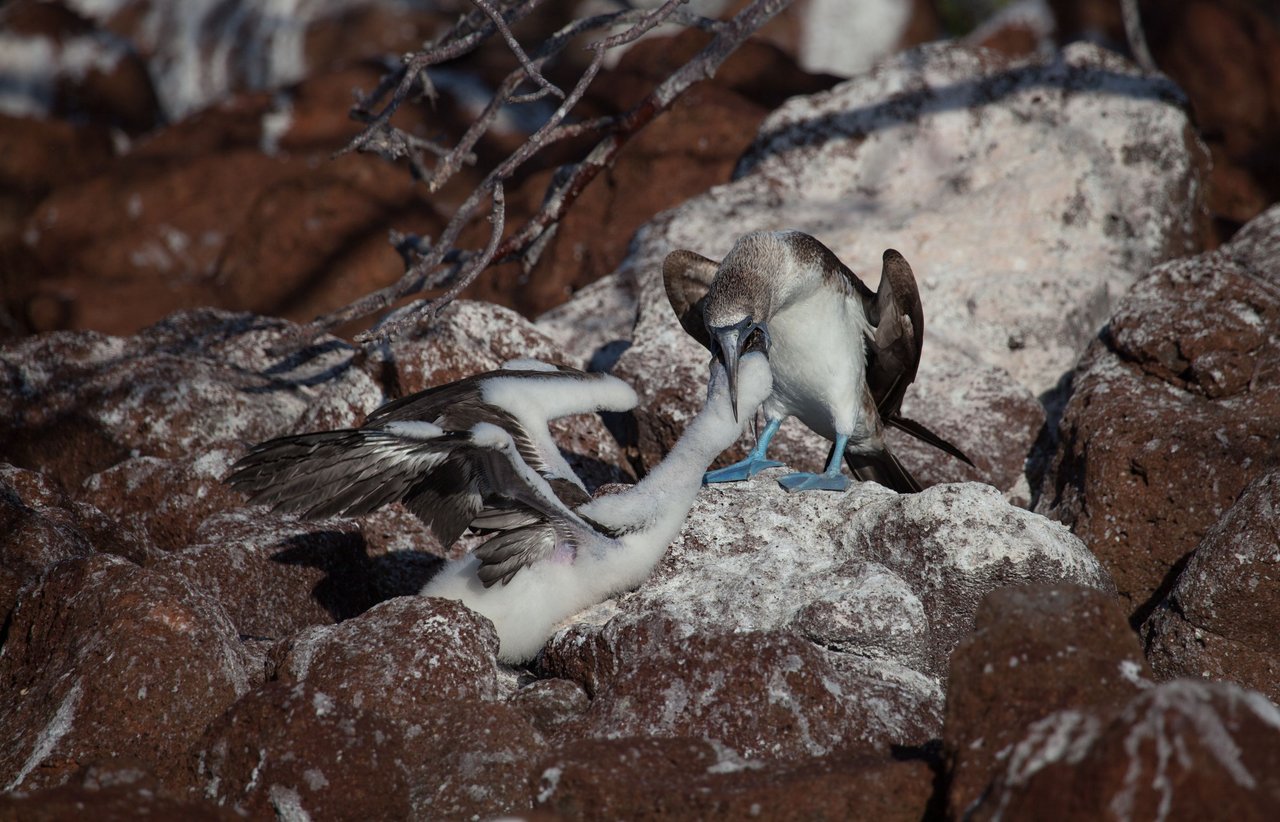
731,343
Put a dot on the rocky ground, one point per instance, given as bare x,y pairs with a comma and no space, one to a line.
1086,621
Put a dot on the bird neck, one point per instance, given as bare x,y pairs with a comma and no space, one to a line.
654,509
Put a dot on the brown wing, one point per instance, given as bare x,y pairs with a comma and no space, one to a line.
687,277
894,349
898,336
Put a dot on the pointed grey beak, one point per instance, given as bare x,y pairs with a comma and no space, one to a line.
731,343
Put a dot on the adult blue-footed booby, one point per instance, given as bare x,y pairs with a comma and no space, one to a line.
460,455
842,356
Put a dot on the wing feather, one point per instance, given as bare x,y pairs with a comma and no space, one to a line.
898,336
687,278
486,476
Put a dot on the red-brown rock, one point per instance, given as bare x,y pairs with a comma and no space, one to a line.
168,498
350,733
40,527
106,660
73,404
1219,621
1036,649
288,750
36,156
408,655
116,793
155,234
276,575
1181,750
692,779
1226,55
769,697
1175,408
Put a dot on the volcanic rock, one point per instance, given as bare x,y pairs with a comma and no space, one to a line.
689,778
1219,619
1183,750
77,403
103,660
1035,650
408,693
1174,409
831,603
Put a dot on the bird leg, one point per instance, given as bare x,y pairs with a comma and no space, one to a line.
752,465
829,480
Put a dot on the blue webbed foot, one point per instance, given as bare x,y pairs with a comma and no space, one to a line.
743,470
827,481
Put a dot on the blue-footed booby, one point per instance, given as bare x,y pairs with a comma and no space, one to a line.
842,355
472,454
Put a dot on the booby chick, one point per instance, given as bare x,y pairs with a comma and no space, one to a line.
554,551
841,355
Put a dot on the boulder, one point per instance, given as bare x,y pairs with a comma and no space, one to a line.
1174,409
277,575
113,792
1219,619
105,660
1036,650
690,778
398,711
1226,55
819,607
167,228
167,498
293,751
1180,750
1044,209
77,403
41,526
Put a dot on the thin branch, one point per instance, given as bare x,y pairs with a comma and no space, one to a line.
441,263
530,70
416,64
412,317
702,66
1136,36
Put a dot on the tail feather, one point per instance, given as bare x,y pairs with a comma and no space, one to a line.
920,432
883,468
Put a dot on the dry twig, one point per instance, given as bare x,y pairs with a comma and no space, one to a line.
441,263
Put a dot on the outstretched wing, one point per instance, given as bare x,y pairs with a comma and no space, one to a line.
458,406
687,278
447,478
356,471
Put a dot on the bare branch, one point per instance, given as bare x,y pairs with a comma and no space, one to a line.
703,65
530,69
1136,36
413,317
415,65
441,263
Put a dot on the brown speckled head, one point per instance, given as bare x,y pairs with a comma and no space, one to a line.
746,284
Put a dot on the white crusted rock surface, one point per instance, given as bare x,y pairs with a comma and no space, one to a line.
867,591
